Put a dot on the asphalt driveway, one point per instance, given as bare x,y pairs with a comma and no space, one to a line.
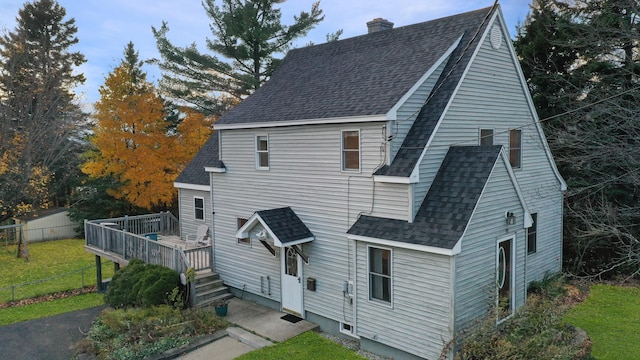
50,338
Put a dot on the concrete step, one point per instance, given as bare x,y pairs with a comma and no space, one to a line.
248,338
211,301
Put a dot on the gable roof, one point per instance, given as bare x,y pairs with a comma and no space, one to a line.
423,127
447,208
207,156
282,224
361,76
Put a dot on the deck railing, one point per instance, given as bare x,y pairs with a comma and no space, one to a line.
125,237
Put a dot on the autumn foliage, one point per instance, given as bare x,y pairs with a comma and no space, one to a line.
133,142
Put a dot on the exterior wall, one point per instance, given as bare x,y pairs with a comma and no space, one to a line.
188,222
492,96
305,174
475,282
51,227
419,319
408,111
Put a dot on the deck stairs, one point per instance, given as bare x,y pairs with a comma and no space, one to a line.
209,289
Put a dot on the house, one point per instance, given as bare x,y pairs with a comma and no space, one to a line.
392,187
47,224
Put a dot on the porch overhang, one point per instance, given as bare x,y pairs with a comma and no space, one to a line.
281,225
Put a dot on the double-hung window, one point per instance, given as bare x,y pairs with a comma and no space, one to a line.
486,137
351,150
515,148
379,274
262,152
198,208
532,235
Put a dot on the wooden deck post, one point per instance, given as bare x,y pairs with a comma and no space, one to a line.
99,274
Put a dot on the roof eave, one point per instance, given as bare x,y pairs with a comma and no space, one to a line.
409,246
321,121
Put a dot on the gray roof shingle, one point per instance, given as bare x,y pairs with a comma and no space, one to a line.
407,157
364,75
447,207
207,156
285,224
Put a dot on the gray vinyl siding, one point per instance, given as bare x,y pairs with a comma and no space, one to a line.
188,222
305,174
419,319
408,111
475,284
491,96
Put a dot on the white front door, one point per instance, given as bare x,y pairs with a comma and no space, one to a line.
291,281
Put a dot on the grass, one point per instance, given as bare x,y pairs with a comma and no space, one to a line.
610,315
47,260
17,314
309,345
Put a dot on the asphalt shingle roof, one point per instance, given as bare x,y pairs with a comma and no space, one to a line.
407,157
207,156
447,207
364,75
285,224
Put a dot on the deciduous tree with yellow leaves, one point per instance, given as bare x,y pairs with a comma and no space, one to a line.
132,139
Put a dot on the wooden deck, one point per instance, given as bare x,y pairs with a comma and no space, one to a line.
151,238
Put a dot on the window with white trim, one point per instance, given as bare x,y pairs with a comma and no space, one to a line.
532,235
240,223
262,152
379,274
486,137
515,148
198,208
351,150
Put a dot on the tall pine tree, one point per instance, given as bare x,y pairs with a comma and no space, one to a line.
39,118
248,37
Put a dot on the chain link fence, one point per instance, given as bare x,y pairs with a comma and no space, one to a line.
71,280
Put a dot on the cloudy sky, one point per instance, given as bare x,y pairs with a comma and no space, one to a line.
106,26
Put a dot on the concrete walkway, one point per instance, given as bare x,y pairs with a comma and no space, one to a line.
255,326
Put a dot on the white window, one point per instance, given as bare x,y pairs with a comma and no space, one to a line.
486,137
379,274
262,152
515,148
351,150
198,208
532,235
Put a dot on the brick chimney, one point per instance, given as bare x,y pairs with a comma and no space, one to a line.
379,24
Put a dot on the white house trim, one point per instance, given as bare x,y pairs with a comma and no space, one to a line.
191,186
340,120
397,244
243,232
215,169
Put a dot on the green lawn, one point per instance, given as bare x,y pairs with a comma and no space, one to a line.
17,314
47,260
611,317
309,345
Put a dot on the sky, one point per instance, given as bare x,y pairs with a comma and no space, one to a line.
106,26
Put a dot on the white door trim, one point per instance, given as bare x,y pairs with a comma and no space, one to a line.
291,288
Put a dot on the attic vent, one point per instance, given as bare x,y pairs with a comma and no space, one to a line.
379,24
496,37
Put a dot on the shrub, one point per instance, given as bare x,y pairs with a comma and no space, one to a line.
140,284
535,331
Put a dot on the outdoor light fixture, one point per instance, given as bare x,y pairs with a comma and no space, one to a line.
511,218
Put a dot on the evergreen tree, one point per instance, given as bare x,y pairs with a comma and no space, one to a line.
590,107
248,36
39,119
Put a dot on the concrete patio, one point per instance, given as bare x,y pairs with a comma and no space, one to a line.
255,326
